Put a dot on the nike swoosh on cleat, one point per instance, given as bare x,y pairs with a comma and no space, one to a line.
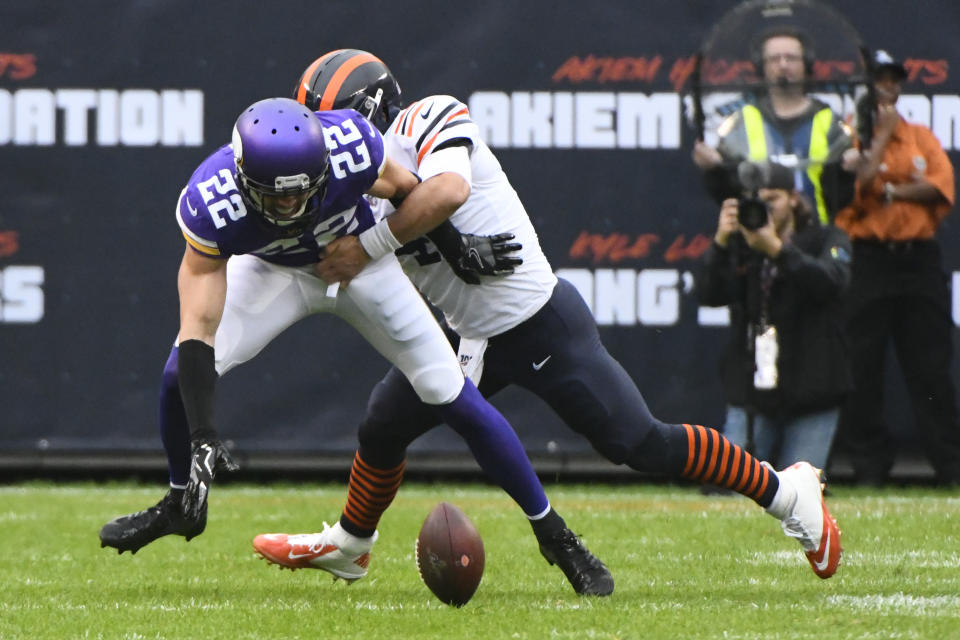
825,558
320,552
539,365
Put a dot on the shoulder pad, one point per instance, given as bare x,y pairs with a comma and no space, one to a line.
434,121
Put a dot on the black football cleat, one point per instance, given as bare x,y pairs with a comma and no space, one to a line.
587,575
131,532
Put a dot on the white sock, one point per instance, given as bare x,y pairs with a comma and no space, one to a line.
784,500
349,543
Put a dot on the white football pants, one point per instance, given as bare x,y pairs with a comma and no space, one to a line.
381,303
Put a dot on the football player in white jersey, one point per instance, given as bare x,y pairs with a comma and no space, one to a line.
520,326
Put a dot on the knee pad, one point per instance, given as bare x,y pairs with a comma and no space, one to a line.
438,384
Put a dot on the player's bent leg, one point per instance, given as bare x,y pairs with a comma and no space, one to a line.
382,304
332,550
794,496
384,307
395,417
262,300
134,531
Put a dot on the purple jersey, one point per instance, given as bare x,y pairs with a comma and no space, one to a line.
214,217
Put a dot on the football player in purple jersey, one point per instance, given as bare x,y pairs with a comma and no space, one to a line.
525,327
258,215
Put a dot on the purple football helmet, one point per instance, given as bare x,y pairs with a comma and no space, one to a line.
282,161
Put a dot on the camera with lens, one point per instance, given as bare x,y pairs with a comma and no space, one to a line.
752,212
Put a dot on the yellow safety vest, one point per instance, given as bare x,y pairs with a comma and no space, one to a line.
817,150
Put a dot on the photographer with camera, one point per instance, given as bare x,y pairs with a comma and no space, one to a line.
785,371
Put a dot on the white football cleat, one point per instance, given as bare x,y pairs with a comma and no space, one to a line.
332,550
810,521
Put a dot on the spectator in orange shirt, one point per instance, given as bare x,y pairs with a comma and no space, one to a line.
898,291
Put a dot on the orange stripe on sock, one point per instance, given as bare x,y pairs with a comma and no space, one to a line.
376,471
734,467
722,466
361,494
702,458
354,513
690,448
370,492
372,484
756,477
715,442
360,518
763,484
745,470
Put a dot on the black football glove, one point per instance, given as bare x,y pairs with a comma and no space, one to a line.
471,256
209,458
489,255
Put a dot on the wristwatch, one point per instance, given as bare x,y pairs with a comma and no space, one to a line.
888,189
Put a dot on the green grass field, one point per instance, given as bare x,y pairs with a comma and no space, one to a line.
686,566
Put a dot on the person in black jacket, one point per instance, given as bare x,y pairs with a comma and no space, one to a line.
786,370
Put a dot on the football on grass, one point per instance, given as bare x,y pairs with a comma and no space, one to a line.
450,555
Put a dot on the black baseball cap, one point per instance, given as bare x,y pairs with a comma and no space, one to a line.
883,60
779,177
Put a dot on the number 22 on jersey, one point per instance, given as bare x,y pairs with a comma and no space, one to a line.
354,157
232,205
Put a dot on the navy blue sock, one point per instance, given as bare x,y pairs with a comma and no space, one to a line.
495,447
174,430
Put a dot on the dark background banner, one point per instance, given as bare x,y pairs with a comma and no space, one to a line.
107,107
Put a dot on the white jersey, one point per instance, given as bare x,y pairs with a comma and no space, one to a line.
499,303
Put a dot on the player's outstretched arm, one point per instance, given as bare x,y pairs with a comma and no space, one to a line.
202,283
